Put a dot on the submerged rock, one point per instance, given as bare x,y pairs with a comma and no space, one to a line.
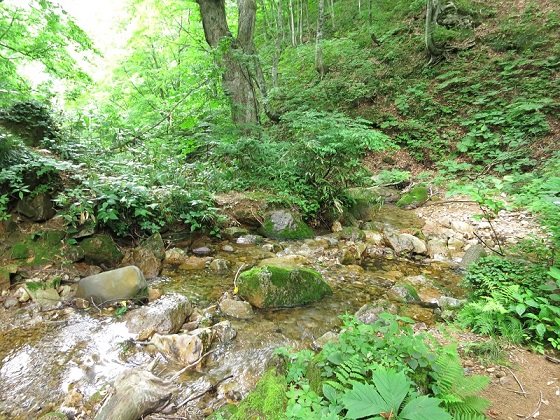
237,309
136,394
283,224
274,287
369,313
120,284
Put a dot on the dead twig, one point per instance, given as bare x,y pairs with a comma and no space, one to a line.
518,382
438,203
536,412
552,359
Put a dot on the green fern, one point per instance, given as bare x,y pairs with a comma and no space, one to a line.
352,370
457,392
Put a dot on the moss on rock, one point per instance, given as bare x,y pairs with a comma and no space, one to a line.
273,287
267,401
283,224
416,196
101,249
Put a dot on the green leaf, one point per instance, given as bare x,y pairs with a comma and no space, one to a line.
392,386
541,329
424,408
520,309
363,401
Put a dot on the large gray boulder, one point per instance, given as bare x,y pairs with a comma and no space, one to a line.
276,287
110,286
164,316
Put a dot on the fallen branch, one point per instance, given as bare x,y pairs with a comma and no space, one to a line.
552,359
518,382
536,412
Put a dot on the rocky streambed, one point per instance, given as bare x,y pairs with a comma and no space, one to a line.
197,346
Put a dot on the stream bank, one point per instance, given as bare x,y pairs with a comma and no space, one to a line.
64,358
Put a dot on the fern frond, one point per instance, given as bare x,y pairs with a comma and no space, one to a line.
469,405
469,416
471,385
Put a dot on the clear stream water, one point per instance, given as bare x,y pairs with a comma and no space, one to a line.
46,355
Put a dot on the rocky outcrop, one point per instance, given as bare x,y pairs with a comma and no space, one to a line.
110,286
38,208
275,287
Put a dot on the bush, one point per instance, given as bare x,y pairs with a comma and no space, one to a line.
380,368
514,299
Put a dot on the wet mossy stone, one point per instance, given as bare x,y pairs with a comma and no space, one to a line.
350,233
282,224
155,244
276,287
101,249
267,401
414,197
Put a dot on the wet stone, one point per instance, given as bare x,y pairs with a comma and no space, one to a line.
237,309
202,251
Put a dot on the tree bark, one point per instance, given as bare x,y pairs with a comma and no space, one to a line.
278,45
433,9
237,80
319,65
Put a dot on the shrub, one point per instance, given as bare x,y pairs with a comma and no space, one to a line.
379,369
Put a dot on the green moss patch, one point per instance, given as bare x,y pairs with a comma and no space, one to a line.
267,401
416,196
273,287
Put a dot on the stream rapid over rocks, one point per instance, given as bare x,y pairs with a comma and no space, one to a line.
70,360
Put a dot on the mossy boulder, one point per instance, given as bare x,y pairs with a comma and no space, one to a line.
275,287
414,197
283,224
267,401
101,250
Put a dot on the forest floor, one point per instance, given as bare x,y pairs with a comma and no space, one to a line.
524,384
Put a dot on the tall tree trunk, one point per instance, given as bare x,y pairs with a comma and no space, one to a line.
237,80
278,46
319,65
433,9
292,24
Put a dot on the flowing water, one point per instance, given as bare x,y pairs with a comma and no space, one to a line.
46,356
